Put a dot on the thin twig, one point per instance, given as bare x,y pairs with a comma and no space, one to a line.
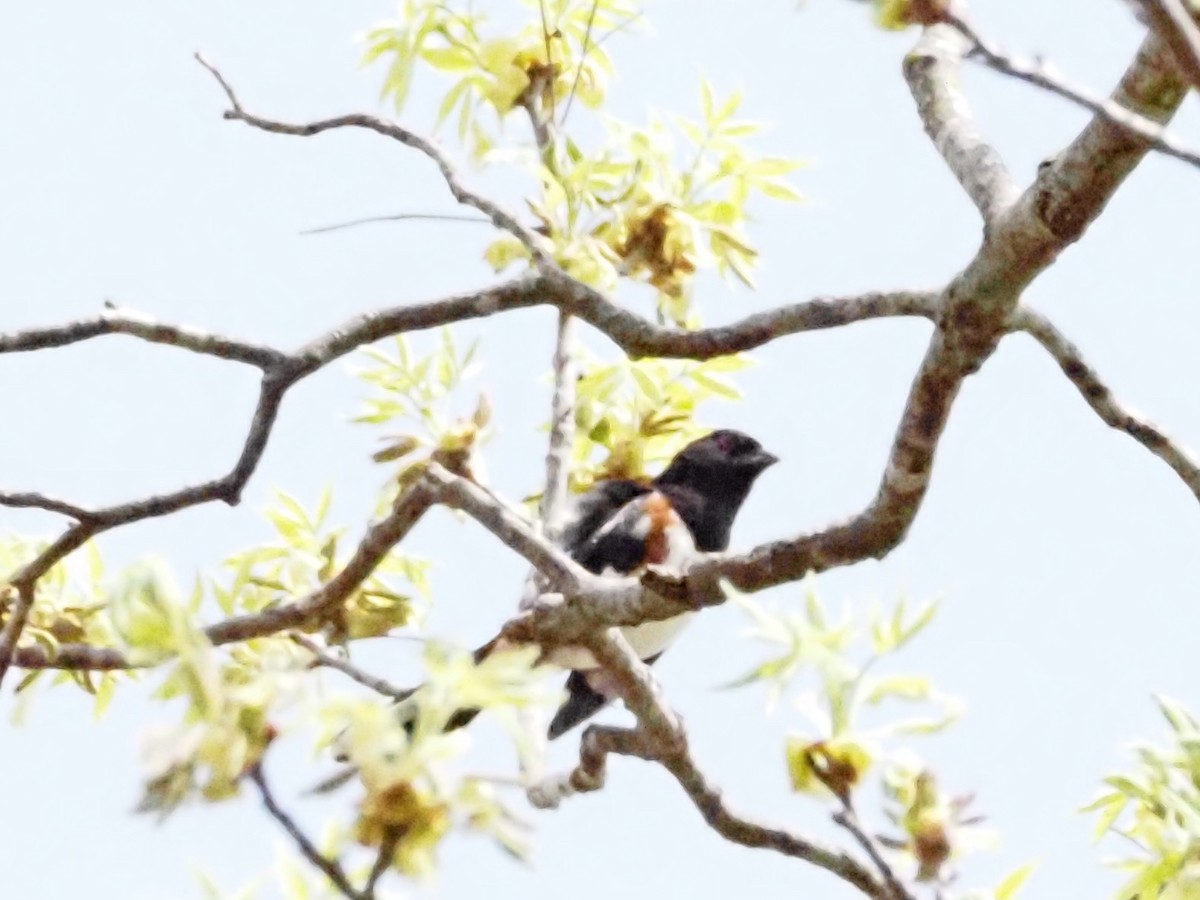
398,217
383,859
562,431
660,736
502,218
1040,75
1100,398
848,819
587,45
117,320
351,671
330,867
549,58
30,500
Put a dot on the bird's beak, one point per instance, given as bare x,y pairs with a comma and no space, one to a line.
764,460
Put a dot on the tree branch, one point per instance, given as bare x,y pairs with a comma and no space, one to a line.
1100,398
114,320
1050,215
379,540
383,860
562,431
1141,122
848,819
1176,26
661,737
31,500
502,218
640,338
932,72
396,217
564,573
972,314
347,668
330,867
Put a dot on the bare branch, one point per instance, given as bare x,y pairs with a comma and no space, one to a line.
1100,398
375,545
640,338
583,54
397,217
29,500
1138,118
932,70
1050,215
378,542
661,737
562,430
597,744
972,315
383,859
1176,26
330,867
848,819
124,321
24,581
347,668
520,293
485,508
503,219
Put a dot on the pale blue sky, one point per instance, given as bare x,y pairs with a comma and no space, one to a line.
1065,551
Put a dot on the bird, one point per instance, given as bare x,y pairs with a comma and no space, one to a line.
621,526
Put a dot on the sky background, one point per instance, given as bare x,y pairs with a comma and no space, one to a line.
1065,551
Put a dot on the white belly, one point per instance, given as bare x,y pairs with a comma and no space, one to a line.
647,640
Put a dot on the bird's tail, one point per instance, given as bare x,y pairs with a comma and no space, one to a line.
462,717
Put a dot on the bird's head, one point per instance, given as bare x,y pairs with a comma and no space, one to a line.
723,455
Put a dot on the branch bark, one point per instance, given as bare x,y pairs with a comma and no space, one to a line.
331,868
1145,125
661,737
1176,26
932,72
1100,398
500,217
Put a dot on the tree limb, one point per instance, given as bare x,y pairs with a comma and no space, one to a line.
503,219
661,737
848,819
932,71
347,668
32,500
1100,398
330,867
379,540
562,430
1176,26
972,314
114,320
1146,126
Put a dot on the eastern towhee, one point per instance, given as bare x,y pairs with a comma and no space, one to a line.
622,526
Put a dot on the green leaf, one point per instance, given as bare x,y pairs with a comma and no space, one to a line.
449,59
1008,887
1180,720
646,385
779,190
716,385
901,687
707,101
